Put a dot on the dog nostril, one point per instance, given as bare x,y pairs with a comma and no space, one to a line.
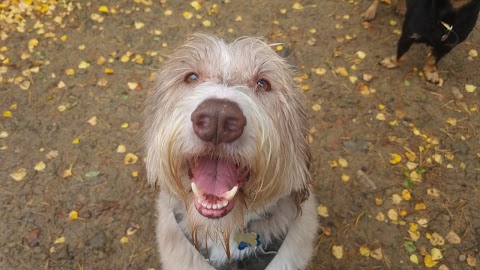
218,120
232,124
204,126
202,122
233,128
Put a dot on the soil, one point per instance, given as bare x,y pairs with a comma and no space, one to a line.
56,161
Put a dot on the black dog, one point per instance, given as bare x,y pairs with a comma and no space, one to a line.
441,24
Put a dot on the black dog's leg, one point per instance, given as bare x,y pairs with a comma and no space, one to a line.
403,45
440,51
430,68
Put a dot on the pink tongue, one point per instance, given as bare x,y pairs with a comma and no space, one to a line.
215,176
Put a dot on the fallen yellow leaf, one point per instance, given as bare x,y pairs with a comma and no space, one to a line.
32,43
428,261
415,177
103,9
436,254
414,258
433,192
139,25
392,215
342,71
40,166
380,116
365,251
207,23
422,222
320,71
413,227
414,235
363,89
395,158
396,199
337,251
470,88
70,71
322,210
406,195
92,121
66,173
196,5
380,216
124,240
436,239
420,206
18,174
473,53
411,165
343,162
333,163
377,254
187,15
316,107
361,54
72,215
297,6
7,114
438,158
130,158
59,240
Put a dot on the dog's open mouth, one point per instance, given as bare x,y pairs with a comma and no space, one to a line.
215,184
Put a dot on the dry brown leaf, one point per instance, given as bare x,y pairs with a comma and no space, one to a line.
18,174
453,238
377,254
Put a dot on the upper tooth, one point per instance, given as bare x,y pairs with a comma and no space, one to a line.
209,206
196,190
231,193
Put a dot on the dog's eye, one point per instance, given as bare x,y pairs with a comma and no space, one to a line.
263,85
191,77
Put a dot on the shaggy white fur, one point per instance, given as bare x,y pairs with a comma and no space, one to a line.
251,175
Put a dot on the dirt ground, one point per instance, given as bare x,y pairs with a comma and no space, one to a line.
396,160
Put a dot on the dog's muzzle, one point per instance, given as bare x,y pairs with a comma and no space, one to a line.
215,179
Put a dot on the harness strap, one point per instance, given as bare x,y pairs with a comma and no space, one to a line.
260,258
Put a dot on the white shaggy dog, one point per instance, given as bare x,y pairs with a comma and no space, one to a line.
225,139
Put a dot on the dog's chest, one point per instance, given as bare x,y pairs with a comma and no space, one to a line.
437,23
248,249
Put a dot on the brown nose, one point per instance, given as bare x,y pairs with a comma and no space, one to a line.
218,120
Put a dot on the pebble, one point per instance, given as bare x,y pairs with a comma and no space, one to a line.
98,241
